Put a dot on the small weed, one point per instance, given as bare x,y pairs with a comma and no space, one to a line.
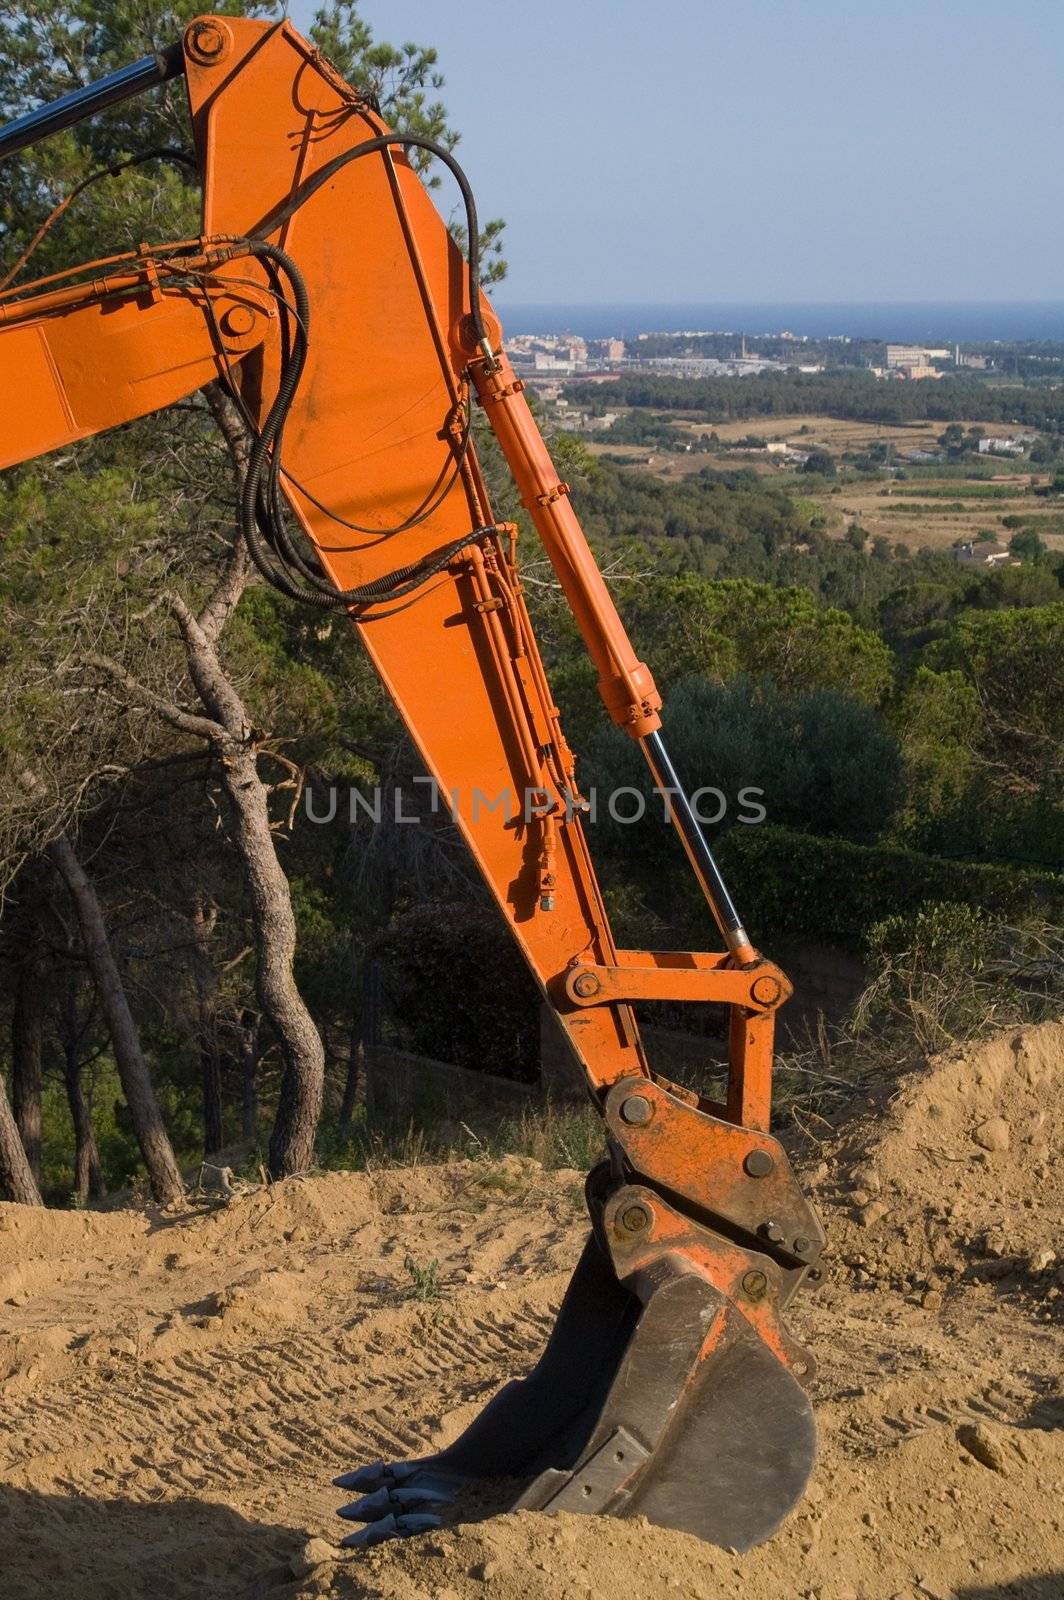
554,1135
502,1180
425,1285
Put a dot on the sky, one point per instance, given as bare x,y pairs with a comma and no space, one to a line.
671,150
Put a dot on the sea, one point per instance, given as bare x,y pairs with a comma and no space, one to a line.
902,322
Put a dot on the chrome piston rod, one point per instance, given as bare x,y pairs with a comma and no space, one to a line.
699,854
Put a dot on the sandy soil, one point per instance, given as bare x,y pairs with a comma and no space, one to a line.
178,1388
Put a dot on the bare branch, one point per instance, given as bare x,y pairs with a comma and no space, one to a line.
212,684
185,721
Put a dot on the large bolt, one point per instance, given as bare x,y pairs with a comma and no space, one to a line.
586,985
207,42
237,321
766,990
802,1245
635,1218
772,1232
755,1285
636,1110
758,1163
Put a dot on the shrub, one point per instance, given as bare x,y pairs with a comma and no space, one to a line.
789,882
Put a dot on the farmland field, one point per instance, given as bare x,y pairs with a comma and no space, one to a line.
924,509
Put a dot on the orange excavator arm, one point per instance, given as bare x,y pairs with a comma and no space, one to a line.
326,293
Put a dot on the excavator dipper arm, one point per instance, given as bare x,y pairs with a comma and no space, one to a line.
326,292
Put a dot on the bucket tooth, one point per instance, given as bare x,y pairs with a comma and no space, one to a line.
383,1501
377,1474
391,1527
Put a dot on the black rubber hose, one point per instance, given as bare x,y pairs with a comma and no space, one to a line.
261,502
415,141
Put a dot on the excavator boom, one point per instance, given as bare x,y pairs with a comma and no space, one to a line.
326,293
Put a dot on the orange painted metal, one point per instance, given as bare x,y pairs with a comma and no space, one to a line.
371,437
752,1283
750,1040
760,988
375,436
739,1174
93,355
625,683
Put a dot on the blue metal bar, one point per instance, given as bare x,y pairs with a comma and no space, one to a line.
85,102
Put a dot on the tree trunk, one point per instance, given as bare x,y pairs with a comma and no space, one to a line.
88,1173
273,920
211,1089
274,924
206,983
230,732
16,1175
356,1072
148,1125
27,1042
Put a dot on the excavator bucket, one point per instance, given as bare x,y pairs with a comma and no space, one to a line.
655,1396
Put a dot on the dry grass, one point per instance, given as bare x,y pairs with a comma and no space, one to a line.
554,1134
936,512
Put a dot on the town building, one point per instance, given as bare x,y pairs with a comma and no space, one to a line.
905,355
1002,447
982,553
914,360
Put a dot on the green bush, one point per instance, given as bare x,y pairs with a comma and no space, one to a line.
789,882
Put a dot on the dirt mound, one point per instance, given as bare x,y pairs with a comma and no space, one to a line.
178,1387
928,1525
952,1181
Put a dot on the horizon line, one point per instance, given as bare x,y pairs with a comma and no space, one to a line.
577,305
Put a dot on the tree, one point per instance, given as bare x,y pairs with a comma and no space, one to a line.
821,761
231,734
203,916
16,1174
1028,545
27,1041
1014,661
156,507
152,1137
820,461
1005,587
939,723
71,1028
786,634
826,763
